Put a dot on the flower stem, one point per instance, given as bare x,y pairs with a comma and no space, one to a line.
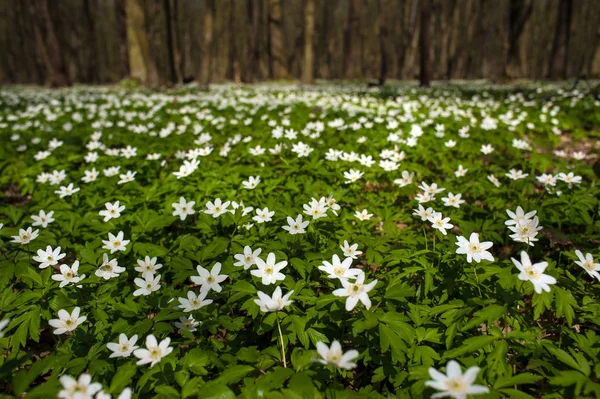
281,338
477,279
425,236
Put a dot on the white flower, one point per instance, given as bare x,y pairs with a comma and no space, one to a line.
453,200
216,209
519,216
526,230
154,351
112,171
112,211
439,222
90,175
65,191
68,275
407,178
251,183
356,291
187,168
570,178
125,346
353,175
340,270
588,264
334,356
25,236
269,271
296,226
515,174
147,285
67,322
494,180
245,209
332,204
460,172
432,189
263,215
275,302
534,273
82,388
187,323
49,257
547,179
43,219
148,266
115,244
109,268
350,251
475,250
209,280
454,383
183,208
316,209
423,213
3,324
487,149
127,177
193,301
363,215
248,258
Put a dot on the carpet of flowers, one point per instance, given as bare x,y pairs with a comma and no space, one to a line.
272,242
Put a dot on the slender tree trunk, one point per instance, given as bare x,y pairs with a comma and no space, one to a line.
49,46
424,44
277,51
249,73
352,42
208,19
309,42
141,64
172,42
121,19
383,34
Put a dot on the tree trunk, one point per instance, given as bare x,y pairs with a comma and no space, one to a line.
172,42
277,51
208,18
309,39
352,43
249,73
48,46
424,44
141,65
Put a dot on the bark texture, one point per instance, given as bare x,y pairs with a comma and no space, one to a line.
161,42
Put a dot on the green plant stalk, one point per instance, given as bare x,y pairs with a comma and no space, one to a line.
281,338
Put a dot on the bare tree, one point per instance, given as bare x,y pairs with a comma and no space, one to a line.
277,51
48,46
309,42
141,65
208,18
424,44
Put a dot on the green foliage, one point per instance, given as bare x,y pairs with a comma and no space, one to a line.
429,305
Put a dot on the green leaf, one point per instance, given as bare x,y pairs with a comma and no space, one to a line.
233,374
470,345
123,378
519,379
564,304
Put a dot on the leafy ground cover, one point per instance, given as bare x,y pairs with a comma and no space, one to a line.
269,242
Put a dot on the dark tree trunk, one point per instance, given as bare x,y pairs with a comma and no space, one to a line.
424,44
208,18
48,45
